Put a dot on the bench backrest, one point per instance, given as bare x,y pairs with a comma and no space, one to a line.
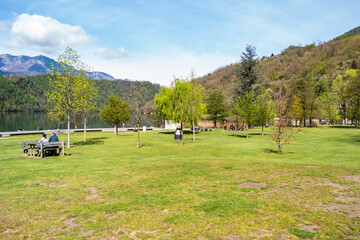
48,144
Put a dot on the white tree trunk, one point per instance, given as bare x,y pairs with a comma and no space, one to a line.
68,130
138,136
193,123
85,129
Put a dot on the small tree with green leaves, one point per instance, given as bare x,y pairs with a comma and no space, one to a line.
215,105
116,112
86,97
197,105
235,116
164,103
352,96
246,109
56,115
264,109
139,101
64,87
282,131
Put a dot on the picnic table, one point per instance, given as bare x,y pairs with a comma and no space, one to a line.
35,149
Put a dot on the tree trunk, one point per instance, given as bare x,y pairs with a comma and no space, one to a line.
138,135
116,129
59,127
68,130
236,127
214,123
279,150
193,123
84,128
262,128
182,132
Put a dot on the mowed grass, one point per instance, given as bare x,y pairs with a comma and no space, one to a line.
106,188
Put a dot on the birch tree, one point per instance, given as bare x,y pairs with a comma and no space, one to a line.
86,97
63,86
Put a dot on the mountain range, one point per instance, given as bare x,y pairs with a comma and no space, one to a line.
30,66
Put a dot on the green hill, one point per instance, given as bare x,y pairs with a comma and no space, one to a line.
27,93
352,32
318,60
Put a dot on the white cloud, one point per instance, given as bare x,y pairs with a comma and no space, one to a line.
111,54
45,34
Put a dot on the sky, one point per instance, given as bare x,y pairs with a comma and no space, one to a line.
159,40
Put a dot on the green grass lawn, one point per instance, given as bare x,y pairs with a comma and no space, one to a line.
106,188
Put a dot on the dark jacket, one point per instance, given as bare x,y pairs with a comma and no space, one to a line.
54,139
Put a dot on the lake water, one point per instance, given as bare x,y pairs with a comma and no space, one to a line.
31,121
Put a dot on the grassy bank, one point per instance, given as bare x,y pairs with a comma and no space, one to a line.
106,188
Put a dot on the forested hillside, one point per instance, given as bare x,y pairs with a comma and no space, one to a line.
318,80
28,93
325,59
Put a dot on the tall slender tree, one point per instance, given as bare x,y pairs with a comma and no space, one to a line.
86,97
63,85
139,101
197,105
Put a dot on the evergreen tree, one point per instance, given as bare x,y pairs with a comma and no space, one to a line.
116,112
246,71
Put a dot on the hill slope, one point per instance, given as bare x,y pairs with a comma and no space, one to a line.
320,60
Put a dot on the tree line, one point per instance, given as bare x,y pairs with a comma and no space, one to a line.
28,93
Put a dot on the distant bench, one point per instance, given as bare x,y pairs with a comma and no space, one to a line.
135,129
35,149
89,130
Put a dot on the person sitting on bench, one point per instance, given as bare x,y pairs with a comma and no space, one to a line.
43,139
53,138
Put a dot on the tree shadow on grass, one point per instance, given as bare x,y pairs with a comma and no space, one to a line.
343,126
283,152
350,139
271,150
243,134
92,141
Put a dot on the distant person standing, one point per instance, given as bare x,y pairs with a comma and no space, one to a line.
43,139
75,126
53,138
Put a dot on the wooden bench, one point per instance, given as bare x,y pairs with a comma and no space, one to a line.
35,149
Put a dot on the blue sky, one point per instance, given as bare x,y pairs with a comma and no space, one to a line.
159,40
